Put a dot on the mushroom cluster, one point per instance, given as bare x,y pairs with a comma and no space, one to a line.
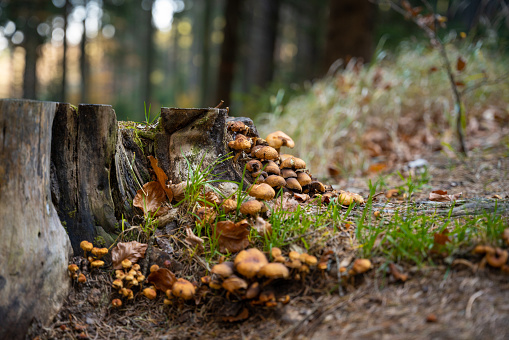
249,276
495,257
127,278
96,254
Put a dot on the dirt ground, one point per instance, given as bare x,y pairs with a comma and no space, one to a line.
439,302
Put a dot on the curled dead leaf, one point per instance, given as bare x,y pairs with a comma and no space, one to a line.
263,227
397,274
301,197
243,315
127,250
232,237
442,196
163,279
193,240
150,198
161,177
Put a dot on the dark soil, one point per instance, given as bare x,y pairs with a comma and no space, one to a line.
438,302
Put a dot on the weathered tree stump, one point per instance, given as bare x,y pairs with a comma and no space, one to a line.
196,134
34,247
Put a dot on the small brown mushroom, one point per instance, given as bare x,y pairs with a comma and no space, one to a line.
361,265
229,205
241,143
72,268
99,252
116,303
82,278
497,259
249,262
117,284
278,139
154,268
262,191
347,198
224,269
288,173
251,208
293,184
275,252
303,179
183,289
266,153
294,255
274,270
234,284
86,246
316,186
150,293
293,163
97,264
275,181
253,291
126,264
253,165
272,168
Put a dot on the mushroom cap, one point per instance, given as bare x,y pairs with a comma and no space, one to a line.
274,270
126,263
293,184
97,263
275,181
295,264
237,126
241,143
496,259
252,207
293,163
317,186
224,269
253,165
72,268
262,191
117,284
253,291
234,284
288,173
294,255
183,289
278,139
86,246
249,262
150,293
154,268
303,178
275,252
347,198
229,205
310,260
116,303
284,156
361,265
272,168
82,278
260,176
266,152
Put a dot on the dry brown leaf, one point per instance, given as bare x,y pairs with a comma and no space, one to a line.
392,193
397,274
441,238
301,197
442,196
178,191
461,63
263,227
289,203
232,237
127,250
150,198
193,240
161,177
163,279
243,315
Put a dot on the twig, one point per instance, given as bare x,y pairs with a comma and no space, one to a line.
485,82
468,310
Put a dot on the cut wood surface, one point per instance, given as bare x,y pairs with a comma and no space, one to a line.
34,248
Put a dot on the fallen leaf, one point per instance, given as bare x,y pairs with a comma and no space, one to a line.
377,167
163,279
392,193
193,240
127,250
286,203
441,238
442,196
243,315
178,191
461,63
150,198
347,198
206,215
232,237
161,177
263,227
397,274
301,197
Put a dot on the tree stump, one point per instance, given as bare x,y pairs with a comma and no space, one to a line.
34,247
83,154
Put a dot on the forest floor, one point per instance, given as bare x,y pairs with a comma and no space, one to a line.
439,300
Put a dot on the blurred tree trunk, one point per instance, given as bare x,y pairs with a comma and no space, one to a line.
229,50
149,56
63,90
263,42
30,76
84,62
350,31
205,65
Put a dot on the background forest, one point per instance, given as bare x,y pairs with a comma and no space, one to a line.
193,53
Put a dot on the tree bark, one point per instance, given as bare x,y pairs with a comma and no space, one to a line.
34,248
229,50
149,56
83,156
350,31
